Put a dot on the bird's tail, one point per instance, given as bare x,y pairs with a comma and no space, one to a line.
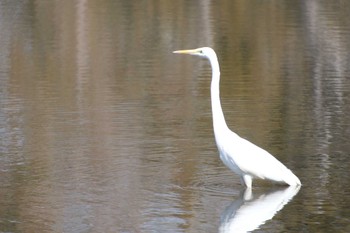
291,179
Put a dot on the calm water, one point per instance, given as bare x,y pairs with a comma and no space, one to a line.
103,129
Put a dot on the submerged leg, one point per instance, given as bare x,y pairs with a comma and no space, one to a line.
248,195
247,180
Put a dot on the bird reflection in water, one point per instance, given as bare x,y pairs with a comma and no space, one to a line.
248,213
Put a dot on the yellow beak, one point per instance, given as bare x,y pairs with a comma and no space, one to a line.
188,51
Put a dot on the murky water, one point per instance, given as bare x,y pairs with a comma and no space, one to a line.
103,129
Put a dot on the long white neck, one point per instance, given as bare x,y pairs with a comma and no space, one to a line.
219,122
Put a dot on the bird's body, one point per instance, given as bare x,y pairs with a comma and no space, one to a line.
241,156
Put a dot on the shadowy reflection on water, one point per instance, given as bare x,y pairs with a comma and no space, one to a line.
248,213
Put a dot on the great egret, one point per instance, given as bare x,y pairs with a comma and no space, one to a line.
241,156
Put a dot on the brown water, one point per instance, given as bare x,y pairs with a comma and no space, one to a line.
103,129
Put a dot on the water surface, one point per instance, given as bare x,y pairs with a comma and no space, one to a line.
103,129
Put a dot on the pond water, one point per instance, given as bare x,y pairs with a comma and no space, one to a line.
103,129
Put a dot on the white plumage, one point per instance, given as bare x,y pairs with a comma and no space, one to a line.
241,156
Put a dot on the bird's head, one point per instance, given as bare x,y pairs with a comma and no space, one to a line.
201,52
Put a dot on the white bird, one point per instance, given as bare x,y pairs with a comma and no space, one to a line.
241,156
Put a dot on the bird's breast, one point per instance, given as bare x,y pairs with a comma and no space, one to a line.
230,163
